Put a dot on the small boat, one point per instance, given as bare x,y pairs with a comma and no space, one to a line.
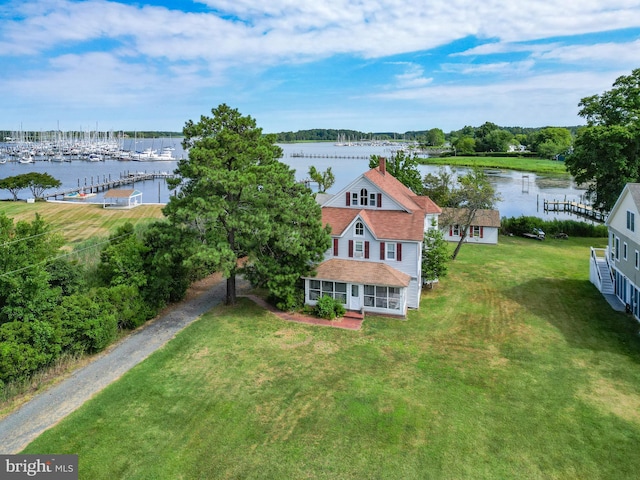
26,159
79,195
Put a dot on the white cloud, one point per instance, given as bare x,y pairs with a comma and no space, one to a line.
100,52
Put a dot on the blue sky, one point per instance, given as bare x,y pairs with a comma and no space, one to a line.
368,65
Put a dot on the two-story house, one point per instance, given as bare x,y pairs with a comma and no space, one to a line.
375,261
616,269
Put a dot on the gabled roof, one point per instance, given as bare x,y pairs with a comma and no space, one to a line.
483,218
634,190
393,187
383,224
353,271
122,193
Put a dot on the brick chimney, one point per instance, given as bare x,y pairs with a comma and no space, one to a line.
383,165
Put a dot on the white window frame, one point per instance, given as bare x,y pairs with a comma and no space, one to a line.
358,248
391,251
631,221
624,250
372,199
359,229
637,259
389,298
336,290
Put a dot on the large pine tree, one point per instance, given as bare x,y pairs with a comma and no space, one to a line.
238,200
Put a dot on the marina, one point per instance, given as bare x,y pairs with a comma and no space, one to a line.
522,193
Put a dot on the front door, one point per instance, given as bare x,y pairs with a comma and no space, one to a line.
355,303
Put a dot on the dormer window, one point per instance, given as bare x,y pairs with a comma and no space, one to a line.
359,229
364,197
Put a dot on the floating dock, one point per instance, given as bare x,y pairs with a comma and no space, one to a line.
90,188
574,207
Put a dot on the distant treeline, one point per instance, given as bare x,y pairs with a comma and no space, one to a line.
333,135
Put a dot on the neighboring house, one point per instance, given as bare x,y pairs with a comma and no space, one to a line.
122,198
375,260
483,229
615,270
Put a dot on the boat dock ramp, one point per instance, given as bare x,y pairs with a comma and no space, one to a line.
574,207
94,186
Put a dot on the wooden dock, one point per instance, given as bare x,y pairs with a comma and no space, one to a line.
574,207
94,186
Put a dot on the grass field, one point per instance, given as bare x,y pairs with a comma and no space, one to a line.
514,367
79,221
536,165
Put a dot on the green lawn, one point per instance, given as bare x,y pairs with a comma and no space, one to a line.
514,367
81,221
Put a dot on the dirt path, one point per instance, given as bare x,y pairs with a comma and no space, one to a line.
46,409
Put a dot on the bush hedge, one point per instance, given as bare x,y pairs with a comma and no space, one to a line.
573,228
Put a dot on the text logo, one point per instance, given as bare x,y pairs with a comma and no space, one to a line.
50,467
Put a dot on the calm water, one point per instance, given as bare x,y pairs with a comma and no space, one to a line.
522,193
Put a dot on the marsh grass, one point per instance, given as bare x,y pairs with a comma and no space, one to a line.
537,165
514,367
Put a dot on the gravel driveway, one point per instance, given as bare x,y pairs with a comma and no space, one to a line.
46,409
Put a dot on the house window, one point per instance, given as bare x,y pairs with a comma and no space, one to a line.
391,251
631,221
359,249
372,199
475,232
456,230
617,248
382,297
363,196
637,260
354,198
624,250
359,229
337,290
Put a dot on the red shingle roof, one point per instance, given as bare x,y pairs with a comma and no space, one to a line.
384,224
361,272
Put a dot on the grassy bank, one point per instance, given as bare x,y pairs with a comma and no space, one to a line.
80,221
514,367
536,165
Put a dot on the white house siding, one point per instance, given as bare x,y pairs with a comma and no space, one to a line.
489,236
340,199
404,298
624,248
430,221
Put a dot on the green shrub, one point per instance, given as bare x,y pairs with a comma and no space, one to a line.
26,347
86,325
329,308
573,228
